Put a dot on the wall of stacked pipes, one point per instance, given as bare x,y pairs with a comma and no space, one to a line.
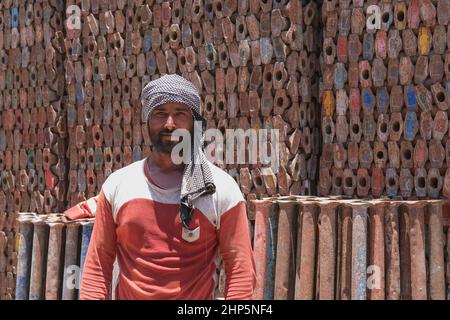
361,110
385,99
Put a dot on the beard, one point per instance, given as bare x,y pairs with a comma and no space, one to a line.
160,141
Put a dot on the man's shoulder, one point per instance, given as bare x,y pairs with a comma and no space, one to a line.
227,193
122,177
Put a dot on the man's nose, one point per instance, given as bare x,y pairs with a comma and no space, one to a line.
170,123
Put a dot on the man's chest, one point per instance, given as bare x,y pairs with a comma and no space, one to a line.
149,226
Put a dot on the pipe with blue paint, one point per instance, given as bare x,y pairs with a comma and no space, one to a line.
382,97
262,210
411,100
2,140
147,44
368,100
151,63
14,18
411,126
137,153
86,231
271,253
24,255
340,76
368,46
79,93
71,262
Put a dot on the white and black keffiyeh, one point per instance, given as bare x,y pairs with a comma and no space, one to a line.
197,178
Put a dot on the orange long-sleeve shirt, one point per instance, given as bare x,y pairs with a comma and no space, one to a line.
138,224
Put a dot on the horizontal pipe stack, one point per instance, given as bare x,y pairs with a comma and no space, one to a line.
310,248
51,255
32,132
385,99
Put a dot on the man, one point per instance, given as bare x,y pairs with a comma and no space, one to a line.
165,223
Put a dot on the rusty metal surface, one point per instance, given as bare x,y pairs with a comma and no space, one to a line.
306,250
392,243
71,259
327,251
448,264
417,247
24,256
261,242
39,259
55,262
360,249
405,253
271,252
436,235
377,249
345,257
286,243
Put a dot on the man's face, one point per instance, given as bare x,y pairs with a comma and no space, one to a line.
165,119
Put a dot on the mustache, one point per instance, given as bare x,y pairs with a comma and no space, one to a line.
166,131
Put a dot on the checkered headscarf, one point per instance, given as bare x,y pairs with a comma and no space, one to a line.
197,177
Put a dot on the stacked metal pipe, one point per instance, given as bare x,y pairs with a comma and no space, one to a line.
51,256
103,90
329,248
385,96
8,255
